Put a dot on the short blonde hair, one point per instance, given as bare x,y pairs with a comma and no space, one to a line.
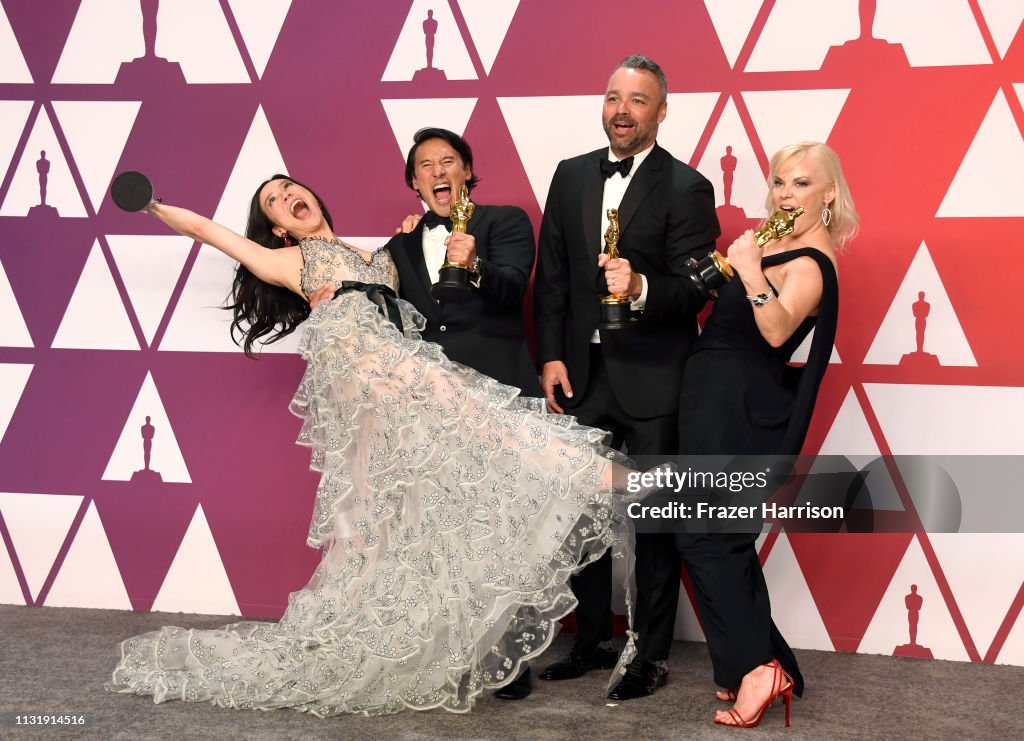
845,220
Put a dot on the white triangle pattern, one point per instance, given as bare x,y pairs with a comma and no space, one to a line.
89,576
794,609
166,457
943,335
197,581
850,434
13,379
105,33
260,23
688,116
748,184
949,37
12,63
410,52
13,332
408,116
61,190
983,602
199,324
150,267
96,132
95,318
803,351
488,22
13,116
1003,18
810,115
258,159
949,420
196,34
732,20
573,126
987,181
38,525
935,629
822,26
192,33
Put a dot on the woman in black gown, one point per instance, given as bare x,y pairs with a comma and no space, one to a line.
741,398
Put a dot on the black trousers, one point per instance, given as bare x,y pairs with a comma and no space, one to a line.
655,436
732,598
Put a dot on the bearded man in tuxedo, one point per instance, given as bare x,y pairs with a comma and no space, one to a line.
626,381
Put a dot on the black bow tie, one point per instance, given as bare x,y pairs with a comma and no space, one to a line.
430,220
609,168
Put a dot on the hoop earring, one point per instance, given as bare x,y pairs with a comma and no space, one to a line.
826,216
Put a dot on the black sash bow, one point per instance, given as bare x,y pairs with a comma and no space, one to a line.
384,296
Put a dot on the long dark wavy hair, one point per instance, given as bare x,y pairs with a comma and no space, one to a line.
258,308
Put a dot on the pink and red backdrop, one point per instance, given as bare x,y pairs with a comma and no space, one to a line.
106,318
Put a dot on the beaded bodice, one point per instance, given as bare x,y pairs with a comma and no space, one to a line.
332,261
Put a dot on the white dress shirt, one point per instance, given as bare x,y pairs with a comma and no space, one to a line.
614,190
434,250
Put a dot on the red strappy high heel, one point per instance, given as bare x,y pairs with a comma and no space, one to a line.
782,686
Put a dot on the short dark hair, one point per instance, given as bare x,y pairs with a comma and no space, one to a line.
639,61
456,142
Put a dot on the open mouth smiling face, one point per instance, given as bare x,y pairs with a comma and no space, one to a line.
439,175
291,207
299,209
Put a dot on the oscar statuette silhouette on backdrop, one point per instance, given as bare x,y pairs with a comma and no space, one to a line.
732,218
919,359
43,210
865,51
913,650
148,431
430,73
149,69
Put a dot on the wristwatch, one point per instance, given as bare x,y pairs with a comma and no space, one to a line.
477,268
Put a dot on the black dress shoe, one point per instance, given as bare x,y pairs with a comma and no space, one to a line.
579,661
642,678
518,688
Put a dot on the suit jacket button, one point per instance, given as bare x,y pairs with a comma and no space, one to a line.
443,328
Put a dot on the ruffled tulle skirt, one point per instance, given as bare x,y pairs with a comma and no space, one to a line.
451,514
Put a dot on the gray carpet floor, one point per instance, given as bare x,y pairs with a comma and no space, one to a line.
55,660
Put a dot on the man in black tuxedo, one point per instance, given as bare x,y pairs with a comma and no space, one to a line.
626,381
486,330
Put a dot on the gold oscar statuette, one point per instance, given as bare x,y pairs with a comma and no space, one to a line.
616,311
714,271
453,281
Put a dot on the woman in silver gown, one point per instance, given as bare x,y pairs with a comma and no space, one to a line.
451,512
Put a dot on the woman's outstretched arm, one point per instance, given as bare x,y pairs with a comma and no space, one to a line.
280,267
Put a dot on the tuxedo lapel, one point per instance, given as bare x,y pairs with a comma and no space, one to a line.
593,195
416,287
648,175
